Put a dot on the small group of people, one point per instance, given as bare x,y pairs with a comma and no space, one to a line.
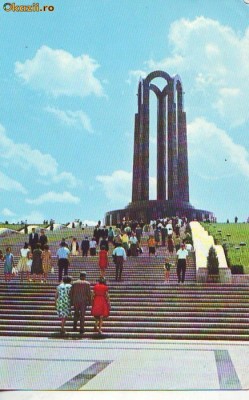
119,256
78,296
35,238
36,262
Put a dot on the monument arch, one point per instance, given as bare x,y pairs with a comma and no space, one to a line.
172,155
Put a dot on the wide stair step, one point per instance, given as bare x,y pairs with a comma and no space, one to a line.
142,305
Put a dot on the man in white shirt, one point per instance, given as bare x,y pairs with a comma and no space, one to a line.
182,255
169,228
189,247
119,254
92,246
63,259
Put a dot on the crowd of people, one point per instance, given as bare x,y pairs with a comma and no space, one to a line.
125,240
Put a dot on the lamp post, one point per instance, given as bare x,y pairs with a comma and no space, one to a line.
228,239
242,246
220,234
238,249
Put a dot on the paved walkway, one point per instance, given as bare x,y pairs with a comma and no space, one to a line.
121,365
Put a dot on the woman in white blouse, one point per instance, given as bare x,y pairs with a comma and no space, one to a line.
23,265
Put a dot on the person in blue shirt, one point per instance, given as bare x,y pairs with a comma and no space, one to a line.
119,255
8,264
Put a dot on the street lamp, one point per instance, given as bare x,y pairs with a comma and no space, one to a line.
242,245
238,249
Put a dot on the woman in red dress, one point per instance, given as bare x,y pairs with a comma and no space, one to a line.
103,261
100,304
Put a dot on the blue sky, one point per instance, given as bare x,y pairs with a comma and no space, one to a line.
68,84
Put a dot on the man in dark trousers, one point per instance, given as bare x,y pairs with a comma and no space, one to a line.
85,244
33,239
80,298
43,239
182,255
119,256
63,259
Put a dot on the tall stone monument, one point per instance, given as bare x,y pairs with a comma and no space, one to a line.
172,156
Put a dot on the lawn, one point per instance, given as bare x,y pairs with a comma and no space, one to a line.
233,235
55,236
18,227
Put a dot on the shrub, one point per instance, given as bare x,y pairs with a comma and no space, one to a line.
237,269
188,229
212,262
188,238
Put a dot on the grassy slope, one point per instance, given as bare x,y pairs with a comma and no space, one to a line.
18,227
239,255
54,236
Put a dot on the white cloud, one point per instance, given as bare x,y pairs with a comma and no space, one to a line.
72,118
209,143
118,186
8,213
136,74
25,157
58,72
34,217
8,184
212,59
54,197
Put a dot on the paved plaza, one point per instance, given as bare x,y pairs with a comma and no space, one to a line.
32,364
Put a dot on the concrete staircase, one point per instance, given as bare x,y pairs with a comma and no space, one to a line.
142,305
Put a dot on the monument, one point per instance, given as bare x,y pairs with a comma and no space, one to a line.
172,156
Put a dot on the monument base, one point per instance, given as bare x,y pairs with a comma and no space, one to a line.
153,209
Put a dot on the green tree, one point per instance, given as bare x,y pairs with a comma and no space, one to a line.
212,262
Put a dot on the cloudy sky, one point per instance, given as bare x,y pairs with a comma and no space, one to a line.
68,84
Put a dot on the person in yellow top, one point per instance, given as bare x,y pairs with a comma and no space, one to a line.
125,241
151,245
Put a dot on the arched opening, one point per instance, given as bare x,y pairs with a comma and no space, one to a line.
158,138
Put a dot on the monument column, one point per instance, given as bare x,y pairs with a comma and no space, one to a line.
136,182
137,157
145,143
161,147
183,158
182,146
172,148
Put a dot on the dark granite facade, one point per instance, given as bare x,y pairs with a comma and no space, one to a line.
172,156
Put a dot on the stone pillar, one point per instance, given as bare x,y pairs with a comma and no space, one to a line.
172,148
145,126
137,157
183,180
136,179
161,147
